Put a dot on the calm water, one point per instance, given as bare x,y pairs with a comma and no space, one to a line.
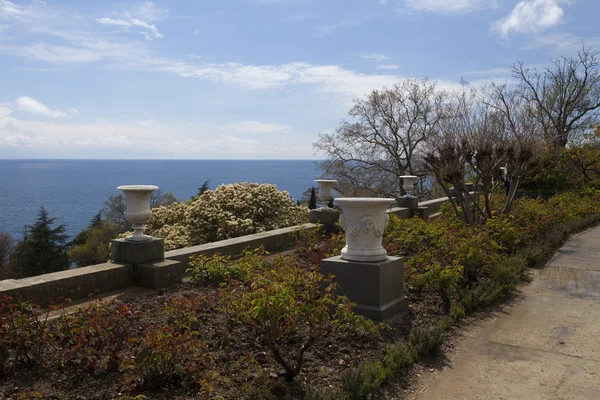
74,190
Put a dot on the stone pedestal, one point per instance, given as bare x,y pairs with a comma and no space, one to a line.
328,217
408,202
131,252
150,269
377,288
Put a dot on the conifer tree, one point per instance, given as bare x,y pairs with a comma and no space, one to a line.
43,249
205,187
312,203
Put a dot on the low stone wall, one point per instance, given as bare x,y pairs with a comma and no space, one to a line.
73,283
272,240
102,278
433,206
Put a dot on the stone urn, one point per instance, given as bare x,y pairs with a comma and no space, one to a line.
326,191
363,219
408,184
138,212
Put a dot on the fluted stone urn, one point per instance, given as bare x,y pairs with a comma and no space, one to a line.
138,212
364,220
326,191
408,184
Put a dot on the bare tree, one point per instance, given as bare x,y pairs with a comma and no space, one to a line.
565,98
523,146
384,138
469,146
484,130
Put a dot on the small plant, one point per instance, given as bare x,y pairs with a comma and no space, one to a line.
167,357
427,340
218,268
93,337
24,334
184,313
285,301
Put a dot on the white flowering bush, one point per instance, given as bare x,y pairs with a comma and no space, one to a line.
229,211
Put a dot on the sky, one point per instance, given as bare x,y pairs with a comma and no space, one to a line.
246,79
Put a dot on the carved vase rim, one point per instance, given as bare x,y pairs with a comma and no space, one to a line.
139,188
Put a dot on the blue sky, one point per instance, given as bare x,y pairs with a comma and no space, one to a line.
251,79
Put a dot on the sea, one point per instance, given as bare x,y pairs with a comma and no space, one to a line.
73,191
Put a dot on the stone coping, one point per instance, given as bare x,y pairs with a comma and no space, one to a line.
73,283
272,240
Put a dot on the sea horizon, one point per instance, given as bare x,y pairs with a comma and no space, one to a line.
74,190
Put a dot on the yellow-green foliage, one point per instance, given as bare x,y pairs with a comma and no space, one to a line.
229,211
445,256
218,268
289,308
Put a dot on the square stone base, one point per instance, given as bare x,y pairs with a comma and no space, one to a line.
377,288
158,275
124,251
408,202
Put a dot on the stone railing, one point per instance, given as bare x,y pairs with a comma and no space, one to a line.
146,264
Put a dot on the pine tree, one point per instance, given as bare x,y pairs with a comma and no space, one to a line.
43,249
312,203
96,220
205,187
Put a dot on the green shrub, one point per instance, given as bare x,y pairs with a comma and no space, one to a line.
400,356
363,382
359,384
25,337
289,308
165,357
427,340
218,268
93,337
184,313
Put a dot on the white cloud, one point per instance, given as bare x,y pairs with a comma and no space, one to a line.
448,6
373,56
56,54
140,17
328,29
33,106
566,43
4,111
108,139
255,127
11,11
388,67
530,16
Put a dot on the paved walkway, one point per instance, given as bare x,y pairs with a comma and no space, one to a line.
546,346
